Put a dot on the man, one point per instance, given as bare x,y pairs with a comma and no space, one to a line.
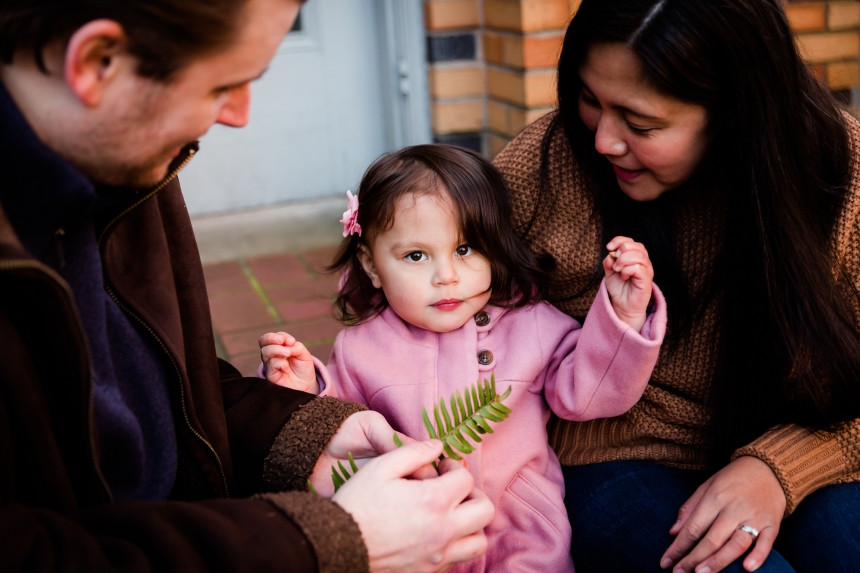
122,436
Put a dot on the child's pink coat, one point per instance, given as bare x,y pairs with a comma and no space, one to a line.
597,371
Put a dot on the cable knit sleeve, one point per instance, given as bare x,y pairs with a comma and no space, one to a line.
802,460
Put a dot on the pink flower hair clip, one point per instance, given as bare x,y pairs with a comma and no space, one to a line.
350,216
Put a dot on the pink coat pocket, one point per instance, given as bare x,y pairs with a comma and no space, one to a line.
531,531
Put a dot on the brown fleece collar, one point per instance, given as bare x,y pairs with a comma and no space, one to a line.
334,535
302,440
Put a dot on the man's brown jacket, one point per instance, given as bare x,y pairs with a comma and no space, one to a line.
56,511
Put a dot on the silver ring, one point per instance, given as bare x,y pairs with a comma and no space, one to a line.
749,529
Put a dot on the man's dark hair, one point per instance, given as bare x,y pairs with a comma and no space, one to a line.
164,35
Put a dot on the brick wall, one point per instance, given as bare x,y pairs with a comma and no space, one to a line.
457,71
492,62
827,34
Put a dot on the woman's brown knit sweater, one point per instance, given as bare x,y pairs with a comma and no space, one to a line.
667,424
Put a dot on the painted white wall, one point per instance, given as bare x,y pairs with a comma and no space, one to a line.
318,117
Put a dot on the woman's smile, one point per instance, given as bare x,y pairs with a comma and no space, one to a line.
627,174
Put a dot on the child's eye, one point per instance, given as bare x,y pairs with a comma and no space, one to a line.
464,250
416,256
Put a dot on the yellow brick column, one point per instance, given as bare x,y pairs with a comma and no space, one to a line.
828,38
456,71
522,39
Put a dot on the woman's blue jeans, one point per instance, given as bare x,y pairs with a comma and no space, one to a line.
621,512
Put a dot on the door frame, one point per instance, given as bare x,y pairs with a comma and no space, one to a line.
405,64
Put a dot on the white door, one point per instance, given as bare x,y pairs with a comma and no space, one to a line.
319,116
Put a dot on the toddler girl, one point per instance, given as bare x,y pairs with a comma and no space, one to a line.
440,293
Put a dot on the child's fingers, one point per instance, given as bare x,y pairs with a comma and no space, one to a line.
277,365
617,242
273,373
299,351
276,338
630,271
627,246
633,257
270,338
276,351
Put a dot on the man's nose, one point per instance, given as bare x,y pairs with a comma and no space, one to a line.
237,107
607,138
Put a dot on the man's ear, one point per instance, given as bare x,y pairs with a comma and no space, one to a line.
366,260
93,59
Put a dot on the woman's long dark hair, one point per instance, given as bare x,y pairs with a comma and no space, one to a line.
779,158
482,206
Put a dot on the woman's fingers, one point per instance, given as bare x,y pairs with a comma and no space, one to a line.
737,545
721,544
762,548
688,507
744,492
700,519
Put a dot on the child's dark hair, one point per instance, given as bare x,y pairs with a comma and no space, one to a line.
482,202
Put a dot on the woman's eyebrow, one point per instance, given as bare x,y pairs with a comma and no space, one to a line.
622,108
637,113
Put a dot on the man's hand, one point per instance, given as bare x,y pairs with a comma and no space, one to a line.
416,526
745,492
287,362
629,280
365,435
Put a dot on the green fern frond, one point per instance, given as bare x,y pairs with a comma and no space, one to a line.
339,478
467,417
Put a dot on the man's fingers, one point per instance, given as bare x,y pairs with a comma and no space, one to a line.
474,514
378,433
466,548
762,548
405,461
455,484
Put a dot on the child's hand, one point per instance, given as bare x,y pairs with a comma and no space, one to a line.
286,362
629,276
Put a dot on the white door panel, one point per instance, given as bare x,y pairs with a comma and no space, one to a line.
318,117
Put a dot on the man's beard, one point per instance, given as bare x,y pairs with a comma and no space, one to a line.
118,174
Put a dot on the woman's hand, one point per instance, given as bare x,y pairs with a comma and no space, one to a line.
745,492
287,362
629,277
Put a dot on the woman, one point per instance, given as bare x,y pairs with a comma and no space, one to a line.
695,128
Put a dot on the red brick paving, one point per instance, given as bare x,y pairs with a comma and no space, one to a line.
296,311
239,311
293,286
278,269
323,287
